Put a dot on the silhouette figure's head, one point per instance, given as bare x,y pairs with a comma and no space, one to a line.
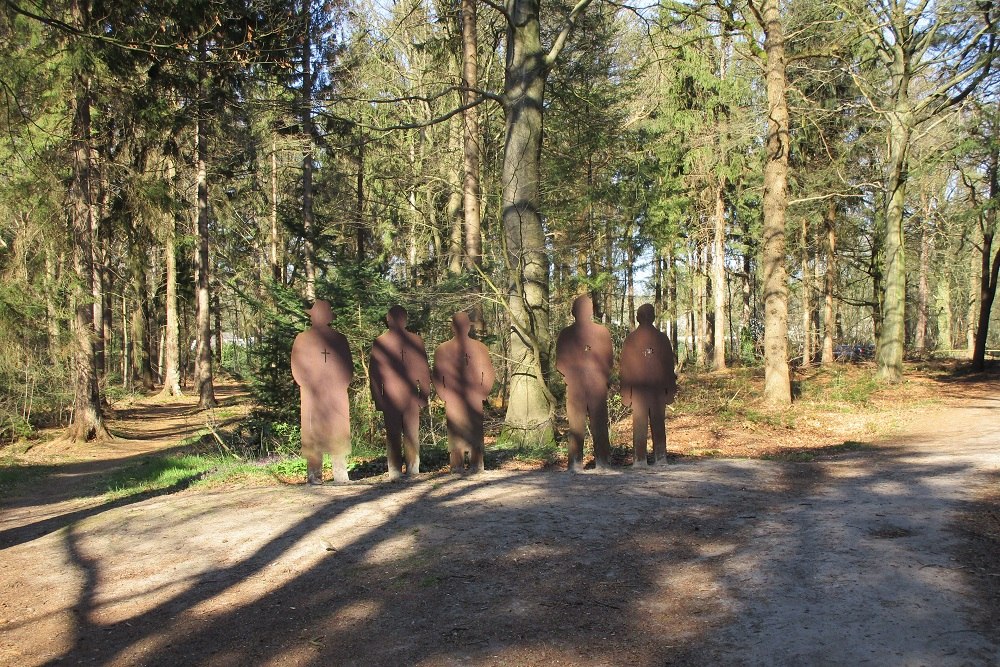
583,309
646,314
320,313
461,324
396,318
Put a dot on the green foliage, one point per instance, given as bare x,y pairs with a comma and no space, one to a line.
34,387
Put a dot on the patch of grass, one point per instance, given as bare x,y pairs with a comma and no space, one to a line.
158,473
13,474
857,389
544,453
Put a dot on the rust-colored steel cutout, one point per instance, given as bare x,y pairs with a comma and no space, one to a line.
584,356
322,367
648,383
463,377
400,385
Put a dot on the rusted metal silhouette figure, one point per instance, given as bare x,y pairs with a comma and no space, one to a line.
463,377
584,356
322,367
648,383
400,384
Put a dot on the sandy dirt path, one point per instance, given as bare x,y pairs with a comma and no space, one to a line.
851,559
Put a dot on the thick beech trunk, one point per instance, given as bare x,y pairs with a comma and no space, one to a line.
777,383
530,407
892,330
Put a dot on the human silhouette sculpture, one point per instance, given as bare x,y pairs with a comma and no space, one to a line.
400,384
648,383
463,377
584,356
322,367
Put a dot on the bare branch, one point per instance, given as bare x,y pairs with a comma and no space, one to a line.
567,28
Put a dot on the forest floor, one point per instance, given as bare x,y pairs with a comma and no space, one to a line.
859,527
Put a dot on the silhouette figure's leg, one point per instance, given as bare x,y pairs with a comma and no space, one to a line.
339,443
599,431
476,446
456,440
394,436
313,455
576,412
640,424
340,447
411,442
658,423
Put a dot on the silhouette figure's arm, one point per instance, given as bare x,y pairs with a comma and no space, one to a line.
375,379
346,359
296,371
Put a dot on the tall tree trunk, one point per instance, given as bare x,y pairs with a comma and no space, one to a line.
657,285
471,195
971,314
923,287
747,336
672,278
203,303
892,332
126,351
97,293
88,422
630,278
777,383
359,204
943,305
141,355
453,209
829,281
701,354
170,348
217,315
306,102
719,279
51,311
530,406
807,351
275,255
107,313
988,272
